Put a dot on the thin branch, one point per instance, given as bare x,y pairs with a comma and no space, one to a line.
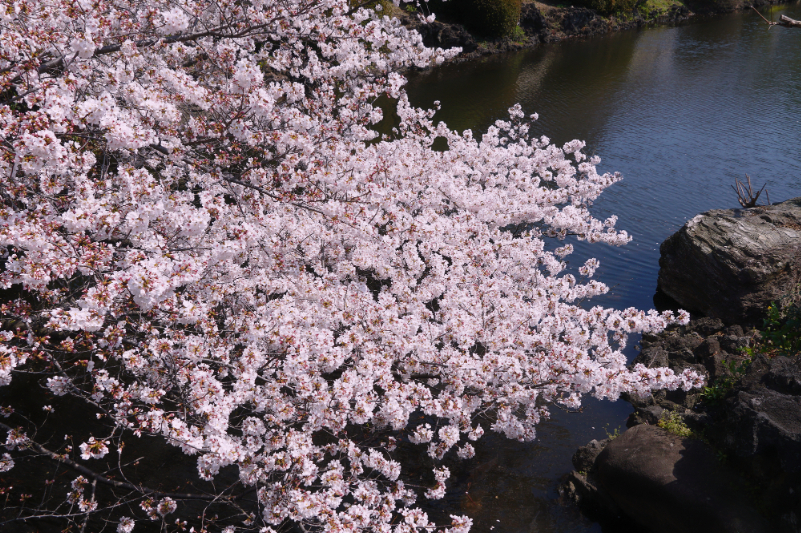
91,474
111,48
763,18
784,20
231,179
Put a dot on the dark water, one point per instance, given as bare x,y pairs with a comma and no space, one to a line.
680,112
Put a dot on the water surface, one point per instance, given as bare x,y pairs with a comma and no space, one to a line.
680,112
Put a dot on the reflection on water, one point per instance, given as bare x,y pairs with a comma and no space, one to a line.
680,112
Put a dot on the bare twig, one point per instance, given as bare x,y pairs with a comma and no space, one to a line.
91,474
746,197
784,20
763,18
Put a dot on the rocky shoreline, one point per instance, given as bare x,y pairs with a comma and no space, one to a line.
545,23
727,458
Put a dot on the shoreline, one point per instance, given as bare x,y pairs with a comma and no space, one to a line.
545,24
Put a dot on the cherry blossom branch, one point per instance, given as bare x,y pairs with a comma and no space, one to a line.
208,243
91,474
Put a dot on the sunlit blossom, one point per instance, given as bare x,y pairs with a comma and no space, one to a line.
263,282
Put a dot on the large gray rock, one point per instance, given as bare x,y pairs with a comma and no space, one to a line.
732,263
670,484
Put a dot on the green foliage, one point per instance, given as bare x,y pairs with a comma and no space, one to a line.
486,18
613,434
674,423
781,333
657,6
411,8
494,18
609,7
715,392
518,35
712,5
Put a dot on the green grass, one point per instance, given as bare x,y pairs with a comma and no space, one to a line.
660,6
674,423
717,391
781,330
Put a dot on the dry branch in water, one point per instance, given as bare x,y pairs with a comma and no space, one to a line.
784,20
787,21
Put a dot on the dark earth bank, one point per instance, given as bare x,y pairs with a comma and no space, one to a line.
547,23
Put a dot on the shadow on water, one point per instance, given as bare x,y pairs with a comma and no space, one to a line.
680,112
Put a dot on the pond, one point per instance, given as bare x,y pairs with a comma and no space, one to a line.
680,112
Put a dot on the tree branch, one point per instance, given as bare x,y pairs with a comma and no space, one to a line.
100,478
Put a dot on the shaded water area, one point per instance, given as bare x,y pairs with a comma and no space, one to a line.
680,112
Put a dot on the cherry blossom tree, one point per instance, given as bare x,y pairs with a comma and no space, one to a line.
207,252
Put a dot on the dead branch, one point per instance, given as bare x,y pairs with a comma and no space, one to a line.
784,20
746,197
787,21
763,18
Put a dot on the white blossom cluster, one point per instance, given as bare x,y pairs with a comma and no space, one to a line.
261,278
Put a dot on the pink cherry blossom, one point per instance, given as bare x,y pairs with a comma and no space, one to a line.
93,449
214,248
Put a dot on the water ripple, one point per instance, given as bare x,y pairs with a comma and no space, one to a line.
680,112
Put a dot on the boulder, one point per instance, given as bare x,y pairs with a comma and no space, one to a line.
532,19
646,414
766,423
759,430
752,432
441,34
763,416
667,484
584,458
732,263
